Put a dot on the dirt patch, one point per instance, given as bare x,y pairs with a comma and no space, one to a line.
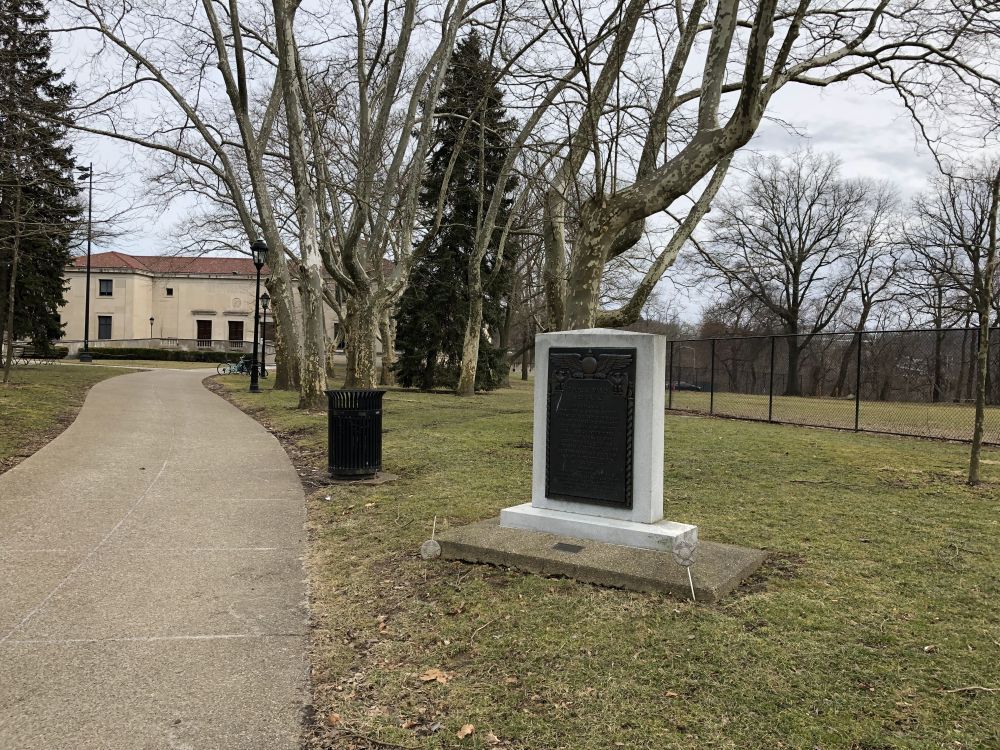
778,566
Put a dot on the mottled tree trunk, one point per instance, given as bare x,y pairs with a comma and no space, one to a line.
387,333
287,339
351,369
362,340
584,287
331,353
473,329
312,386
554,266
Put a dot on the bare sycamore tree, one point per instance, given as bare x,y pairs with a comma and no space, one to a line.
955,234
690,129
354,111
198,86
791,238
241,116
544,81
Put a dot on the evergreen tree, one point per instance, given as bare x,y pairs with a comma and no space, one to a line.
38,195
471,120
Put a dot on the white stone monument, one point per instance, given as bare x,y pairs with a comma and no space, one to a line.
597,469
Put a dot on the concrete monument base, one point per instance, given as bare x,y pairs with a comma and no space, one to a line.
658,536
718,570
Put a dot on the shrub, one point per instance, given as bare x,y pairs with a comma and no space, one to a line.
170,355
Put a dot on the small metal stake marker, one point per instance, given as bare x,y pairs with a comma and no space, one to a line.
684,554
431,549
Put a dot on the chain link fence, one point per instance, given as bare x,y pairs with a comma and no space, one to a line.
915,382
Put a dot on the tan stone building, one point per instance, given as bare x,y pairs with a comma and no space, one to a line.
168,302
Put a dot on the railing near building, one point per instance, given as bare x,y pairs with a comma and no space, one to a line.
916,382
219,345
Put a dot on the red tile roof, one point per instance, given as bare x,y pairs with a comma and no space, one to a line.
163,264
170,264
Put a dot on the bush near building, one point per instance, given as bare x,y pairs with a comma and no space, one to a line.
170,355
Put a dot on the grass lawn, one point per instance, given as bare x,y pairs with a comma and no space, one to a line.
39,403
875,625
945,420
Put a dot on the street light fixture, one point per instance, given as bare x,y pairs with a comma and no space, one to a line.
265,302
258,250
151,319
87,173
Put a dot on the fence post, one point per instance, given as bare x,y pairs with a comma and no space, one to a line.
670,378
711,382
770,385
857,388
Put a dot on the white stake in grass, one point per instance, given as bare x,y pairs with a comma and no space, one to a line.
431,549
684,554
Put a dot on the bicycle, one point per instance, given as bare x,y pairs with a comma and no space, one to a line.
242,367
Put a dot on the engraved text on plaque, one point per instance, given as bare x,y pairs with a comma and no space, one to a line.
589,431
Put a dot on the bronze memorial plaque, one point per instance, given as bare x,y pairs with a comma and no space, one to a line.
591,404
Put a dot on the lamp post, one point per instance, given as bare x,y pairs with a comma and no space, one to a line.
265,301
258,250
87,173
151,319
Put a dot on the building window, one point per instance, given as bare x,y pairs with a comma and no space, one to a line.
106,287
235,330
170,291
104,326
204,332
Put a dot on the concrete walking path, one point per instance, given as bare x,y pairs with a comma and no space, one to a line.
151,584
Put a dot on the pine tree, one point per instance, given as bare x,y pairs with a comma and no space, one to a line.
470,118
38,195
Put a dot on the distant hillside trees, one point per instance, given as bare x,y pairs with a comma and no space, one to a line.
791,240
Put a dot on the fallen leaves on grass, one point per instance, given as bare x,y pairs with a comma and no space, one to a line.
435,675
465,731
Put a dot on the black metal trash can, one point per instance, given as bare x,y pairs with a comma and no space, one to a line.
354,432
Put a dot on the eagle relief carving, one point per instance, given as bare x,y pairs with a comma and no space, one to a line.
589,366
